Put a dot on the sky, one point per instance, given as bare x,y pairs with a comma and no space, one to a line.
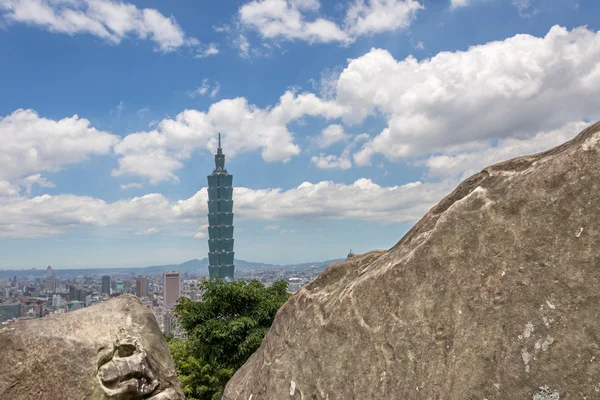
343,122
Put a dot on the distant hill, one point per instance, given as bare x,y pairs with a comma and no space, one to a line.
191,266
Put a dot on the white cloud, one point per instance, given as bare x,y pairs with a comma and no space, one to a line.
363,199
284,19
126,186
284,231
296,20
8,189
210,50
50,215
119,108
420,46
463,163
215,89
147,232
332,161
159,153
201,90
366,17
510,88
109,20
36,179
47,215
334,134
522,5
330,135
31,144
460,3
241,42
206,88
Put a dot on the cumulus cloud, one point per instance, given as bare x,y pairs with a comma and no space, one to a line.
109,20
284,231
31,144
158,154
362,199
50,215
210,50
299,20
510,88
134,185
8,189
334,134
47,215
36,179
332,161
330,135
465,162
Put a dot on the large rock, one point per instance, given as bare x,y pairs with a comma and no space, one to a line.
113,350
494,294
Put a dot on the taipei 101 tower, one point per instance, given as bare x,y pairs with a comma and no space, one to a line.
220,220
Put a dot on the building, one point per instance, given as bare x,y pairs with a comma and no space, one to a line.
49,273
350,255
171,284
167,323
220,220
141,286
106,284
51,284
57,300
10,311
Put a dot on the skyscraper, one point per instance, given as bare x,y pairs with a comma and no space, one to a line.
220,220
106,284
171,288
141,286
49,273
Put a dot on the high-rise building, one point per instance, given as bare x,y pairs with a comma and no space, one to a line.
56,300
51,284
167,323
141,286
106,284
171,288
220,220
49,273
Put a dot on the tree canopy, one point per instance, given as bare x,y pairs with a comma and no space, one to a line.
223,330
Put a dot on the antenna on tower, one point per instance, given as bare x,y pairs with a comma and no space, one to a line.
219,139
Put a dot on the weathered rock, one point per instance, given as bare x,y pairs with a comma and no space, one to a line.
494,294
113,350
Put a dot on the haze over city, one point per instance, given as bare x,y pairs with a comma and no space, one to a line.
342,124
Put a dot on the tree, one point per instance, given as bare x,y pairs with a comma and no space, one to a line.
223,330
199,380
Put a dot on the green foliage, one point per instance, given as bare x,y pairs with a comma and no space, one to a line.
223,330
199,380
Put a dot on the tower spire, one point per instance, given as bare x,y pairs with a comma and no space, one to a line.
220,157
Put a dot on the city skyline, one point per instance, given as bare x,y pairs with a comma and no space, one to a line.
344,121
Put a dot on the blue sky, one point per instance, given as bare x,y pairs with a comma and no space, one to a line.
342,122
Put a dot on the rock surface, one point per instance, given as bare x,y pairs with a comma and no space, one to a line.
113,350
494,294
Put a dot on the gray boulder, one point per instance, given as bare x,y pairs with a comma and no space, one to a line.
113,350
494,294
